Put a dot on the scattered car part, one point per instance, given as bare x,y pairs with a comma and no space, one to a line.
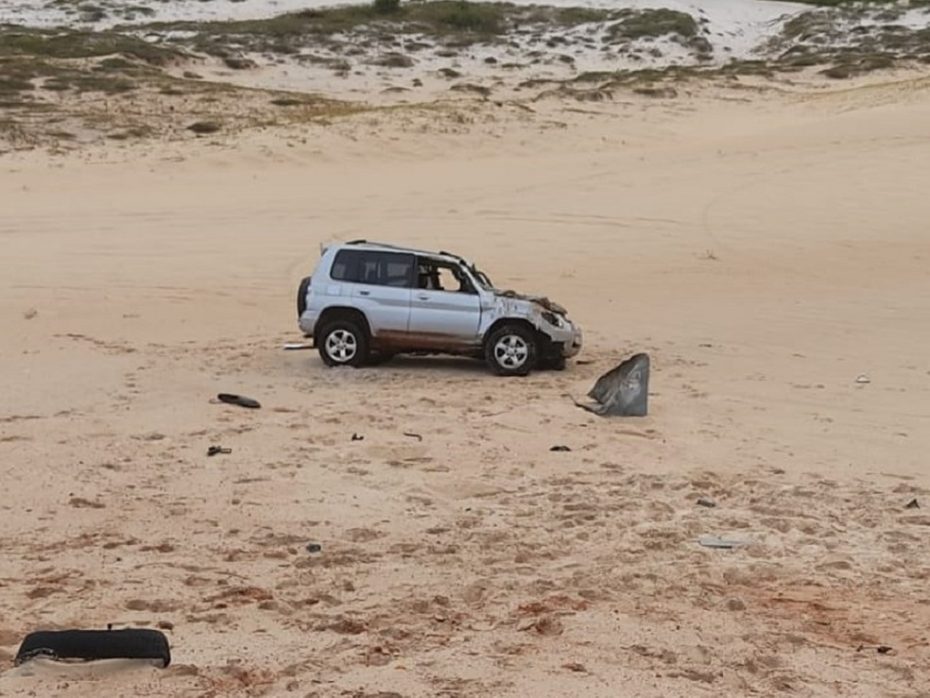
721,543
217,450
314,547
623,391
89,645
240,400
560,448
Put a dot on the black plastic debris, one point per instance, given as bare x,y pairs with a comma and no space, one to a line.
241,400
560,448
912,504
314,548
357,437
217,450
90,645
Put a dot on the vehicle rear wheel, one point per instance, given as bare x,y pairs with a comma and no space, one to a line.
343,343
511,350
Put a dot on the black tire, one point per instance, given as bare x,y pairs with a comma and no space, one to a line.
136,643
302,296
511,350
350,336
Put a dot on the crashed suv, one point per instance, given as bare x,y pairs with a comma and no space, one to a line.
366,302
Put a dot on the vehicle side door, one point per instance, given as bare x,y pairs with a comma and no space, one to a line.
379,284
445,310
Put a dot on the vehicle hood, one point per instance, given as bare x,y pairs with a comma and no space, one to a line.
538,300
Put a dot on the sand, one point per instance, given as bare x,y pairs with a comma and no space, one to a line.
766,248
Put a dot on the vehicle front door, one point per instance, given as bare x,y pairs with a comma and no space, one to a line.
445,310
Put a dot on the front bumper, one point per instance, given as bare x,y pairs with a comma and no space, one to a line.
571,348
565,340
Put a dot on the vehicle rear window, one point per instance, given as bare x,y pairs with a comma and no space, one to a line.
374,268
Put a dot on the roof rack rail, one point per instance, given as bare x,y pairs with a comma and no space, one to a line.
400,248
376,244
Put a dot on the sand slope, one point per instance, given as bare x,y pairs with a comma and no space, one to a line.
766,250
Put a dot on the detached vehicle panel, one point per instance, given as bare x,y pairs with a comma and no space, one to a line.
369,301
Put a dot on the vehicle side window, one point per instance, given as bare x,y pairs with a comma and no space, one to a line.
373,268
345,266
397,270
434,275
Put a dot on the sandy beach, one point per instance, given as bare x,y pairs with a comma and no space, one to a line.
767,246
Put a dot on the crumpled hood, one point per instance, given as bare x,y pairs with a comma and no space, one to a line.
539,300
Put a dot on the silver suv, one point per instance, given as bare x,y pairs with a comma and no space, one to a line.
367,302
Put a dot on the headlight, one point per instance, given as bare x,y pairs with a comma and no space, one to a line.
552,319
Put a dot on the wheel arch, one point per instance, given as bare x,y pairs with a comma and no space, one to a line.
501,322
338,312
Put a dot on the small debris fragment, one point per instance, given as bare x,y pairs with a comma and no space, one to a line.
30,314
412,435
296,346
81,503
560,448
357,437
548,625
721,543
706,502
314,548
204,127
863,379
881,649
576,667
912,504
216,450
241,400
239,63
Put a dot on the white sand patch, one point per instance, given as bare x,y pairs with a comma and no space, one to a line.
733,26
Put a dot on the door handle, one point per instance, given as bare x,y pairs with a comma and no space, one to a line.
364,293
422,297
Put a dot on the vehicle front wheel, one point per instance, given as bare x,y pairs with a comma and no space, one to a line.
343,343
511,351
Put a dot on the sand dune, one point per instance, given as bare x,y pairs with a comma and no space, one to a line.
765,249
